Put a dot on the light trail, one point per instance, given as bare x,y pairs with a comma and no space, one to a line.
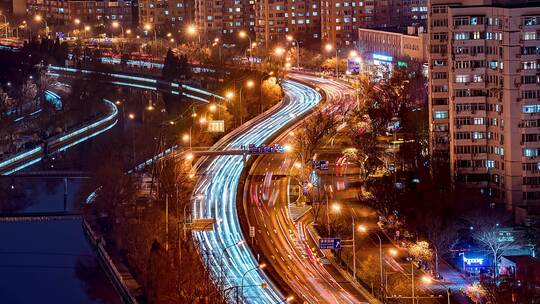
214,195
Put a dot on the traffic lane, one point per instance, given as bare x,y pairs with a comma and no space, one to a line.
322,281
218,189
274,240
269,245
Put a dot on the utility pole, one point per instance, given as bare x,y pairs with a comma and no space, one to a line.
412,281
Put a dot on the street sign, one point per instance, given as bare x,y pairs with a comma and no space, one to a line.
252,231
216,126
321,164
203,224
330,243
253,149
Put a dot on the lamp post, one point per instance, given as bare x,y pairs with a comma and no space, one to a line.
329,47
279,52
363,229
149,27
86,29
260,266
239,243
116,24
249,85
291,39
192,31
337,208
243,35
5,22
38,18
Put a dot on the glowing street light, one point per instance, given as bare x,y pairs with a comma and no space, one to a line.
243,35
364,229
279,51
291,39
148,27
250,83
393,252
212,108
336,207
426,279
203,120
131,116
38,18
77,21
185,138
329,47
192,31
229,95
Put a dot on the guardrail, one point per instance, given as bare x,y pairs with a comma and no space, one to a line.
146,83
60,142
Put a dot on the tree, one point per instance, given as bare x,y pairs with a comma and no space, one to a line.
488,232
476,292
443,237
420,251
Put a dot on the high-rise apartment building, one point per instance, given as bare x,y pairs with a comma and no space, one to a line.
224,18
274,20
485,96
94,11
404,13
165,15
341,19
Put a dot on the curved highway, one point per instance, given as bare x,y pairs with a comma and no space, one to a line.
214,196
286,243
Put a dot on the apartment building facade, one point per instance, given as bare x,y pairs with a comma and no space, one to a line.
95,11
274,20
340,20
225,17
484,94
165,15
413,45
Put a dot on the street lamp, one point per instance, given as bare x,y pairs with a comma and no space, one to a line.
116,24
38,18
5,22
243,35
148,27
239,243
86,29
291,39
249,84
192,31
329,47
260,266
363,229
337,208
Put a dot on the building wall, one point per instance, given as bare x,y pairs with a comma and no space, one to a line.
393,44
484,88
165,15
64,12
227,17
340,21
274,20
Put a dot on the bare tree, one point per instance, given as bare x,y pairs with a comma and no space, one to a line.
487,230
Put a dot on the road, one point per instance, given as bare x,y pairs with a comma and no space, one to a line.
215,192
61,142
284,243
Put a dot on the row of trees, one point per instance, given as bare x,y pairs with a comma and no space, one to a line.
148,234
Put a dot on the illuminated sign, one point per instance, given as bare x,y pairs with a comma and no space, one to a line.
353,65
382,57
473,261
216,126
252,149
